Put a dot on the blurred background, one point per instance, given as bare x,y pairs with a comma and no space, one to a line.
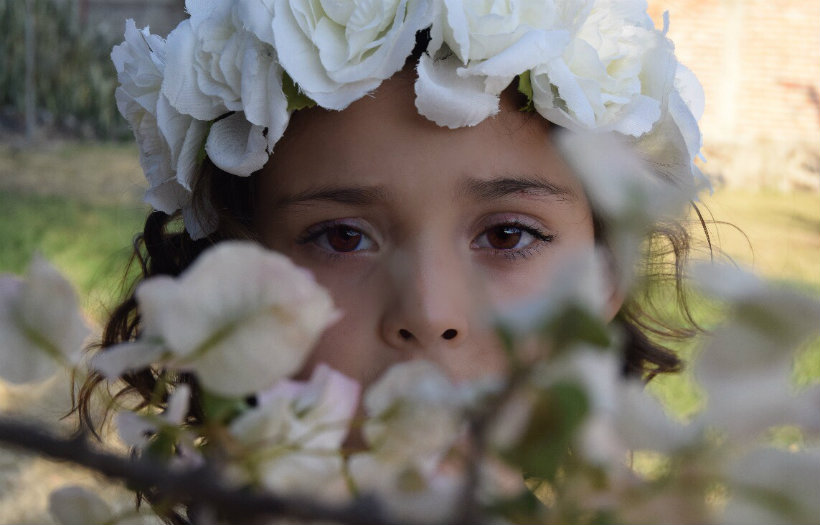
71,186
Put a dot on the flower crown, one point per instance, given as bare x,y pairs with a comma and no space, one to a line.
230,76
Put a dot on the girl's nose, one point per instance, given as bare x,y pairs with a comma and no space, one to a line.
426,304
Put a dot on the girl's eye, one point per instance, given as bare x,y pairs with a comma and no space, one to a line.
337,238
505,237
511,238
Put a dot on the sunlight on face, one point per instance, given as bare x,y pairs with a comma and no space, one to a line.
419,231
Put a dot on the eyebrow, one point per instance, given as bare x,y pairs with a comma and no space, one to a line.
482,190
353,195
486,190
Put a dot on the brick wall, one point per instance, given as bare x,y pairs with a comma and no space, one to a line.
759,63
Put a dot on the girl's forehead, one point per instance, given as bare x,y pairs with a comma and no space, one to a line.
381,140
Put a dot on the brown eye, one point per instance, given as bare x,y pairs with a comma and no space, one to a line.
504,237
343,239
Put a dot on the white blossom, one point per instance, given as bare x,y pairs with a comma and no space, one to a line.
408,493
76,505
136,430
414,414
745,365
774,486
41,327
241,318
296,432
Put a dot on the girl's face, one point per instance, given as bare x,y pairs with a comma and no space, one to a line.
419,231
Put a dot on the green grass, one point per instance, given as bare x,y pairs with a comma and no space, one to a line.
89,243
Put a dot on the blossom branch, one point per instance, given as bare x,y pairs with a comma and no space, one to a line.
201,487
478,426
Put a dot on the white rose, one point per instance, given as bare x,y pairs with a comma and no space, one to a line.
337,51
491,43
168,142
216,66
615,74
477,30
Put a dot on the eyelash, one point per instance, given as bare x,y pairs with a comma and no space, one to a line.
541,238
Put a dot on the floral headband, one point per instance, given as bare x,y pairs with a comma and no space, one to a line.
230,76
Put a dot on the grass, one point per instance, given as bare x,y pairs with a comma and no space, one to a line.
90,244
775,234
81,220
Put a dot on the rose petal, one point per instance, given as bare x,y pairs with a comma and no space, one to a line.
257,17
237,146
180,84
448,99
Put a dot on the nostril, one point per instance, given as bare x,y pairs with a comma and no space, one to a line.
449,334
405,334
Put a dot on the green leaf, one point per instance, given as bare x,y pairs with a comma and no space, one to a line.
221,410
525,88
576,325
524,508
296,99
201,153
555,419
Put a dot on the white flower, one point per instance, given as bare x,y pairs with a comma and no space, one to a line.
241,318
41,327
746,364
580,281
491,42
414,414
623,190
339,50
477,30
296,433
614,75
135,430
74,505
774,486
408,494
216,66
169,142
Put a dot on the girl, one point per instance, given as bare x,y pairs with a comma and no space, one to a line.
403,152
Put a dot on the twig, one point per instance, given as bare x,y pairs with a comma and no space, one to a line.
478,426
201,486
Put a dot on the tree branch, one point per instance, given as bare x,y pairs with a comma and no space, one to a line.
201,486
